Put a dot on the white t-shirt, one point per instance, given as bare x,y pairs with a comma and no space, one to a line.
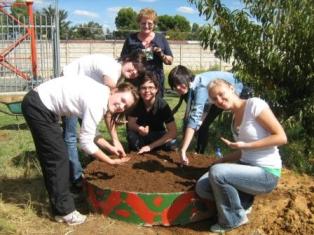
94,66
250,130
81,97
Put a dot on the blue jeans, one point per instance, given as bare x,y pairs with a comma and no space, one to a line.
70,140
224,183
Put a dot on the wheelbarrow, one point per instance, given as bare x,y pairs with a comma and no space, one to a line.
13,107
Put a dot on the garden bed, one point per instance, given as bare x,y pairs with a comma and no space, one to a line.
150,189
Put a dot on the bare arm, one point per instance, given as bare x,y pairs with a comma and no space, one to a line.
104,144
230,157
114,136
142,130
168,136
188,136
101,156
166,59
277,135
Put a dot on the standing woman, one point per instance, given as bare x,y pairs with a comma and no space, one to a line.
72,96
154,45
255,165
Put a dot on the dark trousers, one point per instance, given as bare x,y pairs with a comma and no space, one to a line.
203,131
51,151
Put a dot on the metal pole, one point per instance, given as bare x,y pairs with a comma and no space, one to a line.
33,37
56,43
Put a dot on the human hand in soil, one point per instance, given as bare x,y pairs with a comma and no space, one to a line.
119,161
117,144
143,130
144,149
184,159
234,145
114,150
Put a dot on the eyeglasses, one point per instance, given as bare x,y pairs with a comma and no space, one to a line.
148,88
149,24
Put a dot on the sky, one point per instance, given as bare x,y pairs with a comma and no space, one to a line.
105,11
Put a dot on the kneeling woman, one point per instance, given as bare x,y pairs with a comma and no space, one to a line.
147,121
42,109
254,168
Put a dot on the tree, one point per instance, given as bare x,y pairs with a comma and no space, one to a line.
175,23
49,15
272,47
195,28
177,27
165,23
19,12
181,24
91,30
126,19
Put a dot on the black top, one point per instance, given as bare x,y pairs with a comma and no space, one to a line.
159,115
155,65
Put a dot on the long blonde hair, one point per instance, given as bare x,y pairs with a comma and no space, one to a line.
218,82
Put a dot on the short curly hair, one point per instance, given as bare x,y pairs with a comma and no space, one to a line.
147,13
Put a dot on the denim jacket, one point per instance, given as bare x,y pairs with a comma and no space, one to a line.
200,102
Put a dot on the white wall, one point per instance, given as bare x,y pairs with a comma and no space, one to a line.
190,54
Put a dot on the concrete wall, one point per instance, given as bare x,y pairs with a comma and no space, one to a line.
190,54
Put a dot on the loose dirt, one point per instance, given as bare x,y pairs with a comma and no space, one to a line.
289,209
159,172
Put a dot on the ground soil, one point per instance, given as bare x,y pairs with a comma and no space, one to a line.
163,168
289,209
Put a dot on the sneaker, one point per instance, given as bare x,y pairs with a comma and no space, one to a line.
74,218
248,210
217,228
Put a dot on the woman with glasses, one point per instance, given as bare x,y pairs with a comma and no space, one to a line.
151,124
153,44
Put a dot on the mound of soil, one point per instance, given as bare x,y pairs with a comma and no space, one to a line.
157,172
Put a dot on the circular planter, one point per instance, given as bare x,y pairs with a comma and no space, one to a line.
149,208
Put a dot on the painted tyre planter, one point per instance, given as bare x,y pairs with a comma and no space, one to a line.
148,208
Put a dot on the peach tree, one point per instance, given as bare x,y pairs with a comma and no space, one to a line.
271,46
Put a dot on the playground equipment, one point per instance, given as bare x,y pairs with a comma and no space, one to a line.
12,102
29,51
29,33
14,107
29,46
